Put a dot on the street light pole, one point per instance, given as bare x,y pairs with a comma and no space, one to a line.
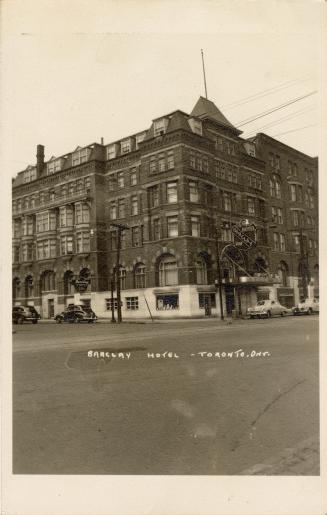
120,228
219,277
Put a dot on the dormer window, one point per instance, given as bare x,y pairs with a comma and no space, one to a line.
80,156
111,151
126,146
160,126
29,174
196,126
139,138
53,166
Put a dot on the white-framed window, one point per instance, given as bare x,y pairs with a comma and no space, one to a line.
82,242
29,175
66,245
45,221
54,166
194,191
120,179
134,205
80,156
82,213
172,226
126,146
66,216
108,304
195,225
28,226
172,192
168,272
132,303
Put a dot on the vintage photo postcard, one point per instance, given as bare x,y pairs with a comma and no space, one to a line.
162,200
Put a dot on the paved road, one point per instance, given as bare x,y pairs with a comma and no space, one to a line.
194,411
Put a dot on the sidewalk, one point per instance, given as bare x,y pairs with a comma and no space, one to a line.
303,459
227,321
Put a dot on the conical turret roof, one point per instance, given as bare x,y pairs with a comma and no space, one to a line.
205,108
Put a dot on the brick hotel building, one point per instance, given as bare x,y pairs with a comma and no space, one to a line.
172,184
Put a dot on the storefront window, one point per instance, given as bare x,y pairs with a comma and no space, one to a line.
165,302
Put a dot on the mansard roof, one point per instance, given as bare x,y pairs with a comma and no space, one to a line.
205,108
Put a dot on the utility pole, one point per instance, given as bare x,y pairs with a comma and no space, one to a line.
219,276
304,264
120,228
112,287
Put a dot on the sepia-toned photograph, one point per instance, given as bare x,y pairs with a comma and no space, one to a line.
165,239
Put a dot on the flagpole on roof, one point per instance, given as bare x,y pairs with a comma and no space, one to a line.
204,74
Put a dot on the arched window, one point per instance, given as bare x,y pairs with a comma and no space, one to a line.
283,273
168,273
68,286
15,288
48,281
29,286
201,271
139,276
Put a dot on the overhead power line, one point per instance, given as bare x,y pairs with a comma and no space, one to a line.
274,109
280,120
264,93
294,130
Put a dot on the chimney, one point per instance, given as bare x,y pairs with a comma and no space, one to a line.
39,160
102,141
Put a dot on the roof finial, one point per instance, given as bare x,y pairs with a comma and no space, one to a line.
204,75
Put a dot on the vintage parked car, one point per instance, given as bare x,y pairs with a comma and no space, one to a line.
266,309
75,313
307,307
21,314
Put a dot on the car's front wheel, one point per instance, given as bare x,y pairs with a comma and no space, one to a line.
20,320
34,322
268,314
309,312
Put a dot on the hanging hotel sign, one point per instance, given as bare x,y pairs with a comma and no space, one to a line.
247,241
80,284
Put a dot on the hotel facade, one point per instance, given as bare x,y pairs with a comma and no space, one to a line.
180,187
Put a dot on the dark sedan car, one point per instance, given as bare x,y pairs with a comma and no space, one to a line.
76,314
21,314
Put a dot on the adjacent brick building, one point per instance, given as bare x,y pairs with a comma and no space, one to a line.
179,186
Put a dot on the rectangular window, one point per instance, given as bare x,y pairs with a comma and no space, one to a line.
66,245
53,166
113,211
220,144
276,241
120,180
296,240
134,205
226,233
251,207
81,156
121,208
293,192
280,216
15,253
132,303
205,164
161,163
171,192
136,237
133,177
160,127
66,216
170,160
282,242
165,302
272,188
153,196
28,252
123,239
71,188
83,242
108,304
295,218
194,191
192,160
111,152
274,214
207,298
172,226
82,213
199,165
195,226
126,146
153,164
113,240
156,229
300,194
139,138
227,202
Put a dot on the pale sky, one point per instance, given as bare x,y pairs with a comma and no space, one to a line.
74,72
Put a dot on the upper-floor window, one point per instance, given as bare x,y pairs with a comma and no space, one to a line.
82,213
276,241
45,221
153,192
133,177
28,226
46,249
111,151
196,126
309,176
137,236
113,210
275,187
274,161
292,169
120,179
293,192
29,174
156,229
227,202
27,251
54,166
66,245
121,208
172,226
66,216
161,163
160,126
83,242
139,138
255,181
282,242
194,191
192,160
126,146
80,156
251,207
171,192
134,205
17,227
195,225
